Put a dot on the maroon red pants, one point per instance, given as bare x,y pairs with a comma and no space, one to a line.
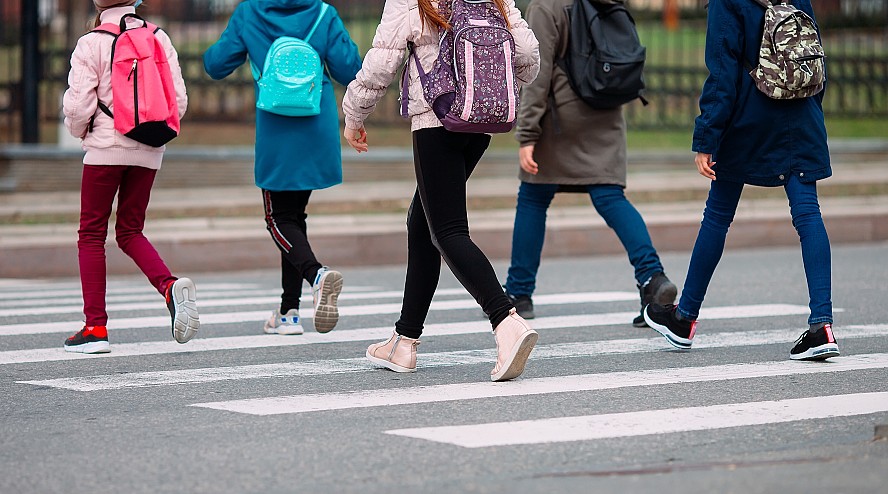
132,185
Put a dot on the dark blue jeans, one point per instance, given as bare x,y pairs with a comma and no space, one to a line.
530,230
717,218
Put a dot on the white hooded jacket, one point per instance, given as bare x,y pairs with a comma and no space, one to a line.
401,23
89,82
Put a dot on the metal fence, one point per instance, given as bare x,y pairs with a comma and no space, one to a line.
855,38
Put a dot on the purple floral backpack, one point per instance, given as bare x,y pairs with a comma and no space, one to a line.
472,86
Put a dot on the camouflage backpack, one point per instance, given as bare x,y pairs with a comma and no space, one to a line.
790,64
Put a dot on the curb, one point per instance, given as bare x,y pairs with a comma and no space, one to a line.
204,245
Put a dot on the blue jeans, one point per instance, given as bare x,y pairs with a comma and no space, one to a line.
717,218
530,231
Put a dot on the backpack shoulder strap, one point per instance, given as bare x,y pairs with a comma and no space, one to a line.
317,21
108,28
131,16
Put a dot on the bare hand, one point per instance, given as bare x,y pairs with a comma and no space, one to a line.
525,158
705,165
356,138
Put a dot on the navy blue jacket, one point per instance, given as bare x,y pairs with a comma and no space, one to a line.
754,139
292,153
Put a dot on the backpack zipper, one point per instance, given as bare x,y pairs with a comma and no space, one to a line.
135,71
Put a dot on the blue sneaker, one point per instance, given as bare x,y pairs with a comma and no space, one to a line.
325,292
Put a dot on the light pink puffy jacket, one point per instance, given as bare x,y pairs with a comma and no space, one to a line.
89,81
401,23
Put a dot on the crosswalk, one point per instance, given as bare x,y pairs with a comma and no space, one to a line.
26,323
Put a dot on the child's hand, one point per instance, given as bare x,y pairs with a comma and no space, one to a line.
356,138
525,159
705,165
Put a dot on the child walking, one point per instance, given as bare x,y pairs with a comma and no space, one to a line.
584,152
437,223
743,136
294,154
115,165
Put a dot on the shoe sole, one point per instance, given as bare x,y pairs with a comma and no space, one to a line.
821,352
674,340
387,364
92,347
514,365
186,321
640,323
327,313
283,331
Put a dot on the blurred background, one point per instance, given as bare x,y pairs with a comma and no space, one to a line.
37,36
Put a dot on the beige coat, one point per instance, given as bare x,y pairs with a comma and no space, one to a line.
401,23
591,147
89,81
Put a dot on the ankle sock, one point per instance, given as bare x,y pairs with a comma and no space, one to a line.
816,326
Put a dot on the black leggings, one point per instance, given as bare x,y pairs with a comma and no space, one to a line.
285,219
438,226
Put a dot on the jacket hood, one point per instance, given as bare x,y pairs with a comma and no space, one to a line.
284,17
285,4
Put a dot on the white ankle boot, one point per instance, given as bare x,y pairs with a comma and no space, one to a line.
514,342
397,353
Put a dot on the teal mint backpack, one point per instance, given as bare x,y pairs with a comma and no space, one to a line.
291,79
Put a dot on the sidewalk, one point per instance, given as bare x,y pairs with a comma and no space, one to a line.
362,221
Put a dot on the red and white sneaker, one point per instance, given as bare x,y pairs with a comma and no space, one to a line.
90,339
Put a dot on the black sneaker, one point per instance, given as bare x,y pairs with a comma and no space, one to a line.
90,339
523,304
657,290
663,319
815,344
181,300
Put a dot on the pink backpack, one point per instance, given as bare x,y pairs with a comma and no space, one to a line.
145,107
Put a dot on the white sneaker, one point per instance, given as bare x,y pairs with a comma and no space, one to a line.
325,292
283,323
181,301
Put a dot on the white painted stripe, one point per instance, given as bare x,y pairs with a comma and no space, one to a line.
205,295
429,360
305,313
615,425
546,385
263,341
55,292
57,304
18,284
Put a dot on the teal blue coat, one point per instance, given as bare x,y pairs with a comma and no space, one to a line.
292,153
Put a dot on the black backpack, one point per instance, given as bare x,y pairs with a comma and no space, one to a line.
604,59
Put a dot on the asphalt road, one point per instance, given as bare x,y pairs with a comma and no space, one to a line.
603,407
